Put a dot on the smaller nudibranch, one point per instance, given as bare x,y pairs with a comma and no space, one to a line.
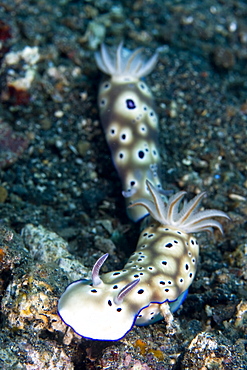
159,272
130,122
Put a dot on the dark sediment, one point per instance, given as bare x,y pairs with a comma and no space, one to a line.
62,179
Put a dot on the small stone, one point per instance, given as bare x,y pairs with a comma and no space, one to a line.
106,224
95,34
59,113
213,350
224,58
241,315
105,245
12,145
83,147
3,194
237,197
46,124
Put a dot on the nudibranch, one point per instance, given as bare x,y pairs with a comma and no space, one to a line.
160,271
130,122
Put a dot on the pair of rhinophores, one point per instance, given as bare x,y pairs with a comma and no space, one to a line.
164,264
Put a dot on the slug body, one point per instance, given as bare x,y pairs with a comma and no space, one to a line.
159,272
130,122
163,266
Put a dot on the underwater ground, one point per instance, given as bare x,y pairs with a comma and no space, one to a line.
61,206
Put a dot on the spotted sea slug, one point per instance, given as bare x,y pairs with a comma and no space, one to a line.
129,121
160,271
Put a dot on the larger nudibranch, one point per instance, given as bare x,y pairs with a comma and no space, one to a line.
130,122
161,270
